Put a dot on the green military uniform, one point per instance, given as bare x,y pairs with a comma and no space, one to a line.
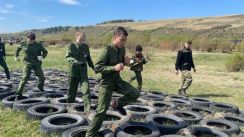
31,53
184,63
77,57
2,59
137,67
110,81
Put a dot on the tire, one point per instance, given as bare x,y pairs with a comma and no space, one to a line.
79,109
43,110
159,120
173,135
190,117
138,111
162,106
58,123
5,94
9,101
152,97
199,102
81,131
24,104
241,115
202,111
35,93
4,88
112,118
160,93
224,107
63,101
178,97
235,119
196,131
62,90
232,127
53,95
180,102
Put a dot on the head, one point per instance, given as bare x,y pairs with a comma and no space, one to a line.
138,50
188,44
120,37
31,37
80,37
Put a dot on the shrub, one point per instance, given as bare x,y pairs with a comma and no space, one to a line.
235,63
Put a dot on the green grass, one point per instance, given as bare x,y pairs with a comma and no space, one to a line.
211,81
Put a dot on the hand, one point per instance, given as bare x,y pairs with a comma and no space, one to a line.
194,70
40,58
119,67
176,72
132,61
80,63
17,59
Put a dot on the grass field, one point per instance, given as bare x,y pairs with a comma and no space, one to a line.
211,81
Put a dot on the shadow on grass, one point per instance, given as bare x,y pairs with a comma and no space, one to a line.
211,95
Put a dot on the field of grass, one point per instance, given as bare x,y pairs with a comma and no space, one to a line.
211,81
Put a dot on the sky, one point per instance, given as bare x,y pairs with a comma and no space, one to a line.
19,15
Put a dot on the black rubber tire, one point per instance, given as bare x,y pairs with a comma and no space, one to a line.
194,117
224,107
24,104
180,102
241,115
9,101
130,129
162,106
43,110
131,109
235,119
159,121
148,98
196,131
4,88
202,111
53,95
120,119
79,109
63,101
81,131
232,127
58,123
5,94
178,97
173,135
62,90
160,93
34,93
200,102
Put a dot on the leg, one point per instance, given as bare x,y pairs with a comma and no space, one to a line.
105,94
85,91
73,86
40,75
188,80
25,76
5,67
133,77
181,83
139,79
130,94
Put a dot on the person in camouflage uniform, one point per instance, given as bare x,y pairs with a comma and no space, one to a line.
136,62
110,63
184,63
78,56
34,53
3,58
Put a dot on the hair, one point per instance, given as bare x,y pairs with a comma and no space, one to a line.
80,33
31,36
138,48
120,31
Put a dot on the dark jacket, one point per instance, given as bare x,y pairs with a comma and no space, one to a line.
138,63
2,50
184,60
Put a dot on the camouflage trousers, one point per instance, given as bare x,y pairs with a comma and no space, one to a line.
186,79
137,76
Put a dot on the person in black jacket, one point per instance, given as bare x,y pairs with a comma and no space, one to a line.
2,59
184,63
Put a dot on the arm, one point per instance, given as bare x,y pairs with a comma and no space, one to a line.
178,60
192,62
69,56
4,53
102,63
44,51
89,60
19,48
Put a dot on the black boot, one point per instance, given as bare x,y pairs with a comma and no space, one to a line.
179,91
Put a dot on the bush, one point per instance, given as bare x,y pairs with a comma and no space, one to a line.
235,63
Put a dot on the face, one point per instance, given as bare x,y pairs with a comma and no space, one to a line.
138,52
119,40
187,46
80,39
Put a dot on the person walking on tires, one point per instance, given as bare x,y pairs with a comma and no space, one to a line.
110,63
78,55
34,53
184,63
3,58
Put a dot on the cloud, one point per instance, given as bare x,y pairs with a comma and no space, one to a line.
43,20
6,11
9,6
70,2
2,18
